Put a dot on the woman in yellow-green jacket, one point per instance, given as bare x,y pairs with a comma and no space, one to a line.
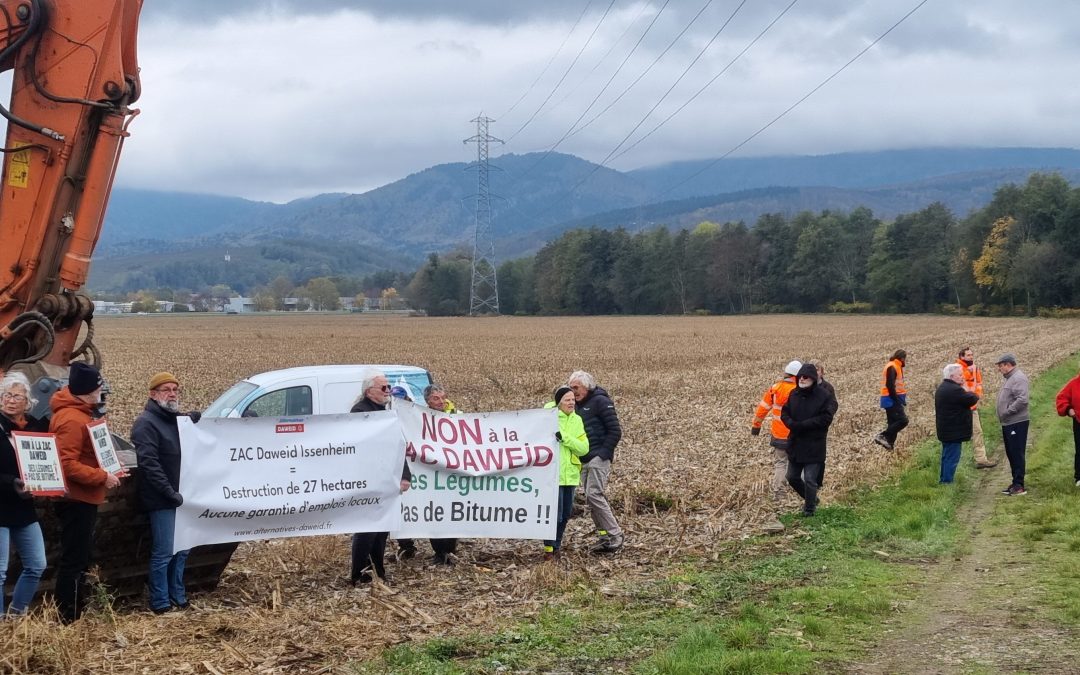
573,444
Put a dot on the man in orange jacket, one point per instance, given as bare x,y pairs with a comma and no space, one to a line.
973,382
893,399
772,401
1068,405
73,408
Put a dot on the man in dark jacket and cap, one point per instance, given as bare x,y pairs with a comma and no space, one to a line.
157,446
808,413
952,413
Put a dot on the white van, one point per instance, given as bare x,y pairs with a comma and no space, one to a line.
310,390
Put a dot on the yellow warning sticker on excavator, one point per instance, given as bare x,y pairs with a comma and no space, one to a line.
18,168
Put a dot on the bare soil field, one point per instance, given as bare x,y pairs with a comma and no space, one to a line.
687,474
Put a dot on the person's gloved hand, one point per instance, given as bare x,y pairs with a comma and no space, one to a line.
178,500
195,416
558,436
754,431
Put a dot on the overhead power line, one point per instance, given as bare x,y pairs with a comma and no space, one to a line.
708,84
677,81
795,104
550,61
568,69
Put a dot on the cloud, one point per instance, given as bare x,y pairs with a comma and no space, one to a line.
278,99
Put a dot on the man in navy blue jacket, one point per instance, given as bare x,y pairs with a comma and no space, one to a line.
597,411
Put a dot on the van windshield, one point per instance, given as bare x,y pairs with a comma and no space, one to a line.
230,399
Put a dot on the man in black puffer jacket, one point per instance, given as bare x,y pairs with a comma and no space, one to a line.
157,445
808,413
953,418
597,411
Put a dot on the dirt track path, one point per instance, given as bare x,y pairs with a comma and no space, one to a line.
975,612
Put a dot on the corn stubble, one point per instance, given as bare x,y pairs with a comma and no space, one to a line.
687,474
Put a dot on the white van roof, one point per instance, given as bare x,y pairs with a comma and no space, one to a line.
345,371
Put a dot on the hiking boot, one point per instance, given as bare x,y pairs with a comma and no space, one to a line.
407,551
609,544
1017,490
883,442
806,513
986,465
550,555
773,526
442,559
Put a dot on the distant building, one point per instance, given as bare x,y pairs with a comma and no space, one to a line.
240,305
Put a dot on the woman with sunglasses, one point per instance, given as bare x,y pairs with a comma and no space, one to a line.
19,528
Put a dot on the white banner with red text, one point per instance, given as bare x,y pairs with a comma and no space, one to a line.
480,474
264,478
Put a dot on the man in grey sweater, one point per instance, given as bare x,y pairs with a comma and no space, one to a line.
1012,412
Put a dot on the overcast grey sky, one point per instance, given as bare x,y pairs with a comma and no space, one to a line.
280,99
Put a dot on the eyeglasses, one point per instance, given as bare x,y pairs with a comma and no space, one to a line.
8,396
385,387
168,390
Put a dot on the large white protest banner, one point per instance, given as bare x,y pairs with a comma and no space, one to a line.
261,478
480,475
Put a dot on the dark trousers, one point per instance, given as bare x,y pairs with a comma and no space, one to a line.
1015,436
566,509
1076,443
897,420
443,547
805,479
368,552
77,521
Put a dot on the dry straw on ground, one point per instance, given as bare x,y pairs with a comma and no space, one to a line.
687,474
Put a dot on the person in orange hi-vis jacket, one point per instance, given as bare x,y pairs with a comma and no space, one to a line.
893,399
772,401
973,382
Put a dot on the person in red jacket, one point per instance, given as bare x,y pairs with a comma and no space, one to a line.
73,408
1068,403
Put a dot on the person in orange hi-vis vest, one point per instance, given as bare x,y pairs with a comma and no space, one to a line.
893,399
973,382
772,401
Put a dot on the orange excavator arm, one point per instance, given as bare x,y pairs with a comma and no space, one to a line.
74,76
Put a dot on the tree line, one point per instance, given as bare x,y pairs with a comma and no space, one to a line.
1020,254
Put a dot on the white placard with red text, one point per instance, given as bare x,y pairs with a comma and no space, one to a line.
265,478
480,474
39,463
102,442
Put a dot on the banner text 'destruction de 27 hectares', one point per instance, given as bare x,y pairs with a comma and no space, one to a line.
262,478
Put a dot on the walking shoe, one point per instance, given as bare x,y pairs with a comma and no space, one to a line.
1008,490
1078,483
986,465
407,552
883,442
773,526
609,544
442,559
1017,490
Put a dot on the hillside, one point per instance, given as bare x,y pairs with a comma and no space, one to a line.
536,197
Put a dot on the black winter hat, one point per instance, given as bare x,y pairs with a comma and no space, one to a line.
808,370
560,392
83,379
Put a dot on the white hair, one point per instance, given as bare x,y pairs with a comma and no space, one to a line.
12,379
952,369
368,381
585,379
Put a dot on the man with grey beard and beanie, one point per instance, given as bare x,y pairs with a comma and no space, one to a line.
157,445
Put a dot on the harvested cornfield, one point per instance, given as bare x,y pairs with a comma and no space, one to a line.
687,474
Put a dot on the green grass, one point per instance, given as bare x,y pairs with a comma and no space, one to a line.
800,611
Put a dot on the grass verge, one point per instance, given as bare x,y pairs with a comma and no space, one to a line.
801,603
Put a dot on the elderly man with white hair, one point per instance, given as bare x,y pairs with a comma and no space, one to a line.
597,411
952,408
